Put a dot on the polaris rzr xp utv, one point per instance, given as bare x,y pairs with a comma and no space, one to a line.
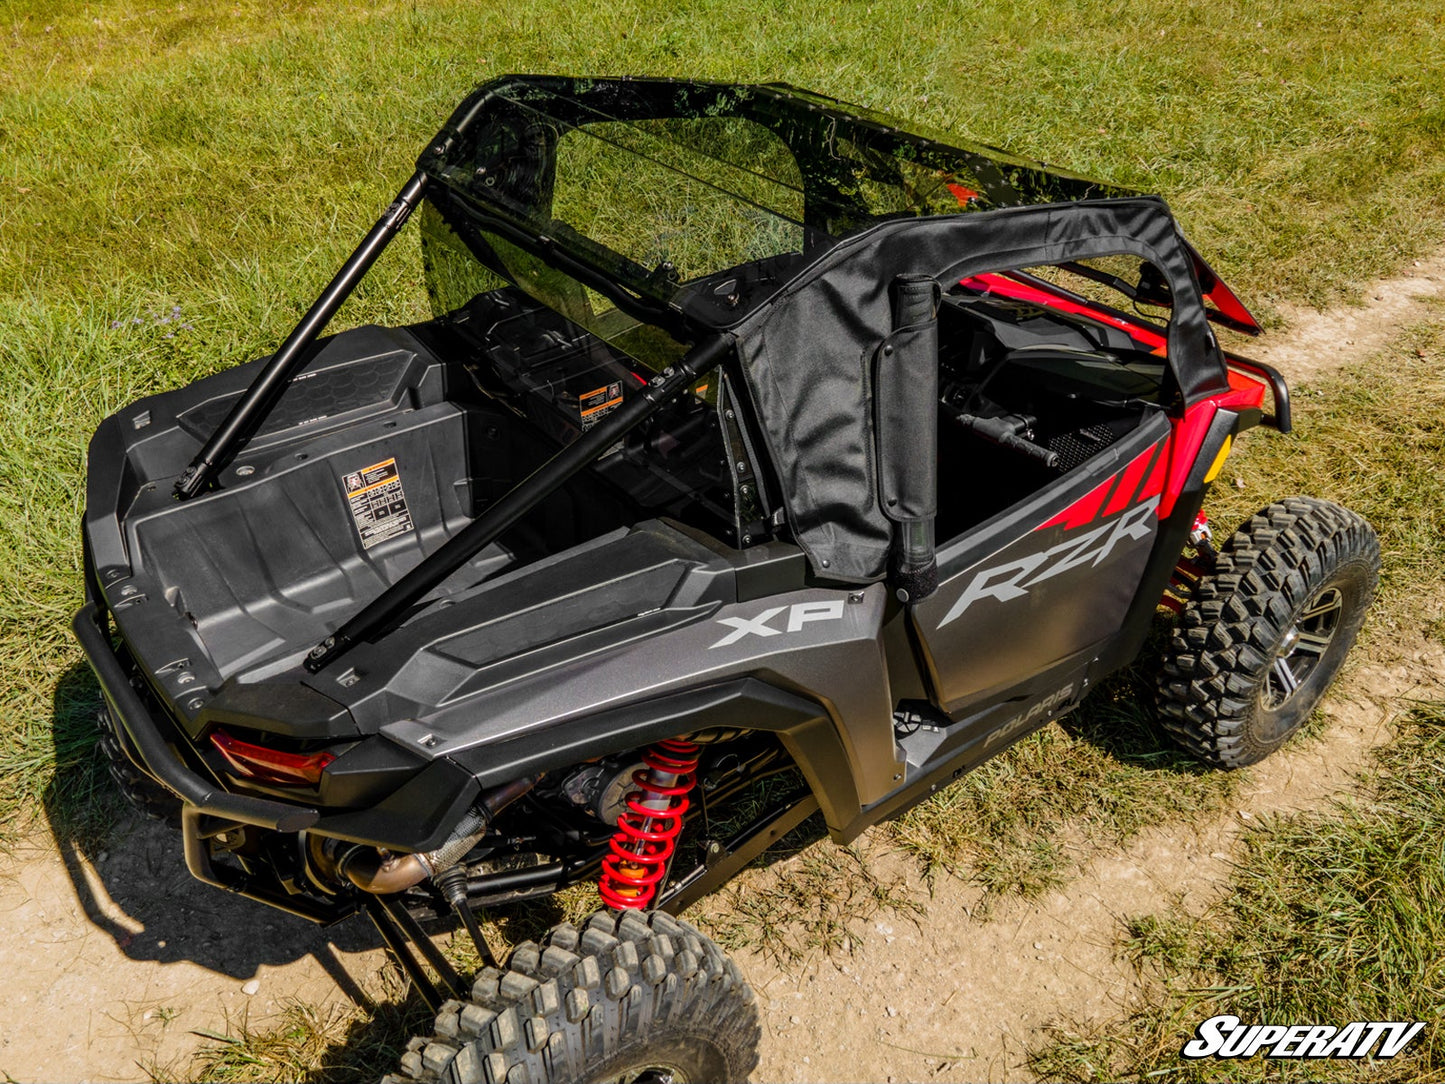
756,436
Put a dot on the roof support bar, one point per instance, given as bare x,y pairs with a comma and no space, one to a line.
384,611
251,409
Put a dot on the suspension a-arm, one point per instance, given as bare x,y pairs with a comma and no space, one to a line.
383,612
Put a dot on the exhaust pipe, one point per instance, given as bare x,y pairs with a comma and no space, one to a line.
370,871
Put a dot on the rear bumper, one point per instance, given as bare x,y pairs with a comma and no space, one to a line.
155,753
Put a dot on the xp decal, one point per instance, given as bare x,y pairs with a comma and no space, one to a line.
799,615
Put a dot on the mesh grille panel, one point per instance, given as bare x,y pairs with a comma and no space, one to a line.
1075,447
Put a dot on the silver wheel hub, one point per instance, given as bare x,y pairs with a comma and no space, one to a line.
1302,647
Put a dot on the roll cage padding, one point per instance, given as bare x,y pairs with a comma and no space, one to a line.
807,355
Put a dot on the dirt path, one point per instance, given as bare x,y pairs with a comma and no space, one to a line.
1316,343
113,961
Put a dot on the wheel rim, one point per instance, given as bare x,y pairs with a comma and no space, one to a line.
1302,647
651,1074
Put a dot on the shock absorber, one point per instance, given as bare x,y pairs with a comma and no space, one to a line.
1189,571
648,828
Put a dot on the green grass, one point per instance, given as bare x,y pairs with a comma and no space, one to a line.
1329,917
1022,823
1371,436
319,1046
811,903
193,175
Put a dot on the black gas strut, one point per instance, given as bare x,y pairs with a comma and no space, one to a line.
383,612
251,409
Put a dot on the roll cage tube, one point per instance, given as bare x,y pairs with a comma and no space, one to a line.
381,614
252,408
246,416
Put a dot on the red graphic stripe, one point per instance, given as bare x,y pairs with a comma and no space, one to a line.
1084,510
1133,475
1155,485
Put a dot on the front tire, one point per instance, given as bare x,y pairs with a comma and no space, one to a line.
634,998
1266,632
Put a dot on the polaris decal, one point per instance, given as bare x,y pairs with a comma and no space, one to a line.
1039,713
799,614
1229,1037
1014,578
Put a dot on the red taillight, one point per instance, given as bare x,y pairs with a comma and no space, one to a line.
270,765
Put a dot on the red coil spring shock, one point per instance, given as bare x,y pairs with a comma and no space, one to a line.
647,830
1189,571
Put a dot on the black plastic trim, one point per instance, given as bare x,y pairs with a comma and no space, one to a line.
1224,425
152,748
808,734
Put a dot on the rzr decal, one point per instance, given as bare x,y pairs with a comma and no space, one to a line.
1014,578
799,615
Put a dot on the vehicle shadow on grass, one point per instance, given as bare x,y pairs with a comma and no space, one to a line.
1119,719
130,878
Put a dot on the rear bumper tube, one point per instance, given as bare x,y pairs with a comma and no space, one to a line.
158,758
1281,419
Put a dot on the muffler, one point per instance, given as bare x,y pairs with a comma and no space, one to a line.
382,874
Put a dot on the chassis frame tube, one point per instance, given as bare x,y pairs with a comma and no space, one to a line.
195,836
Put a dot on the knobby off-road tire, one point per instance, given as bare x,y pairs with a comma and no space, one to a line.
630,997
1266,632
140,790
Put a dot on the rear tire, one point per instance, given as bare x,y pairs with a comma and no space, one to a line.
632,997
1265,633
147,796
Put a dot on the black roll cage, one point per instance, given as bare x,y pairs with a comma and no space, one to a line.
1007,180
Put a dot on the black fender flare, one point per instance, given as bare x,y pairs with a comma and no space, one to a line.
805,728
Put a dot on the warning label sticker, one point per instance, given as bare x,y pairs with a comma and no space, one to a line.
377,503
596,404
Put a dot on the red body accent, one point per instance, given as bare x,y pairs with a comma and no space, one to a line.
1084,510
1125,493
1171,467
1003,286
1155,485
271,765
962,194
647,831
1129,485
1218,294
